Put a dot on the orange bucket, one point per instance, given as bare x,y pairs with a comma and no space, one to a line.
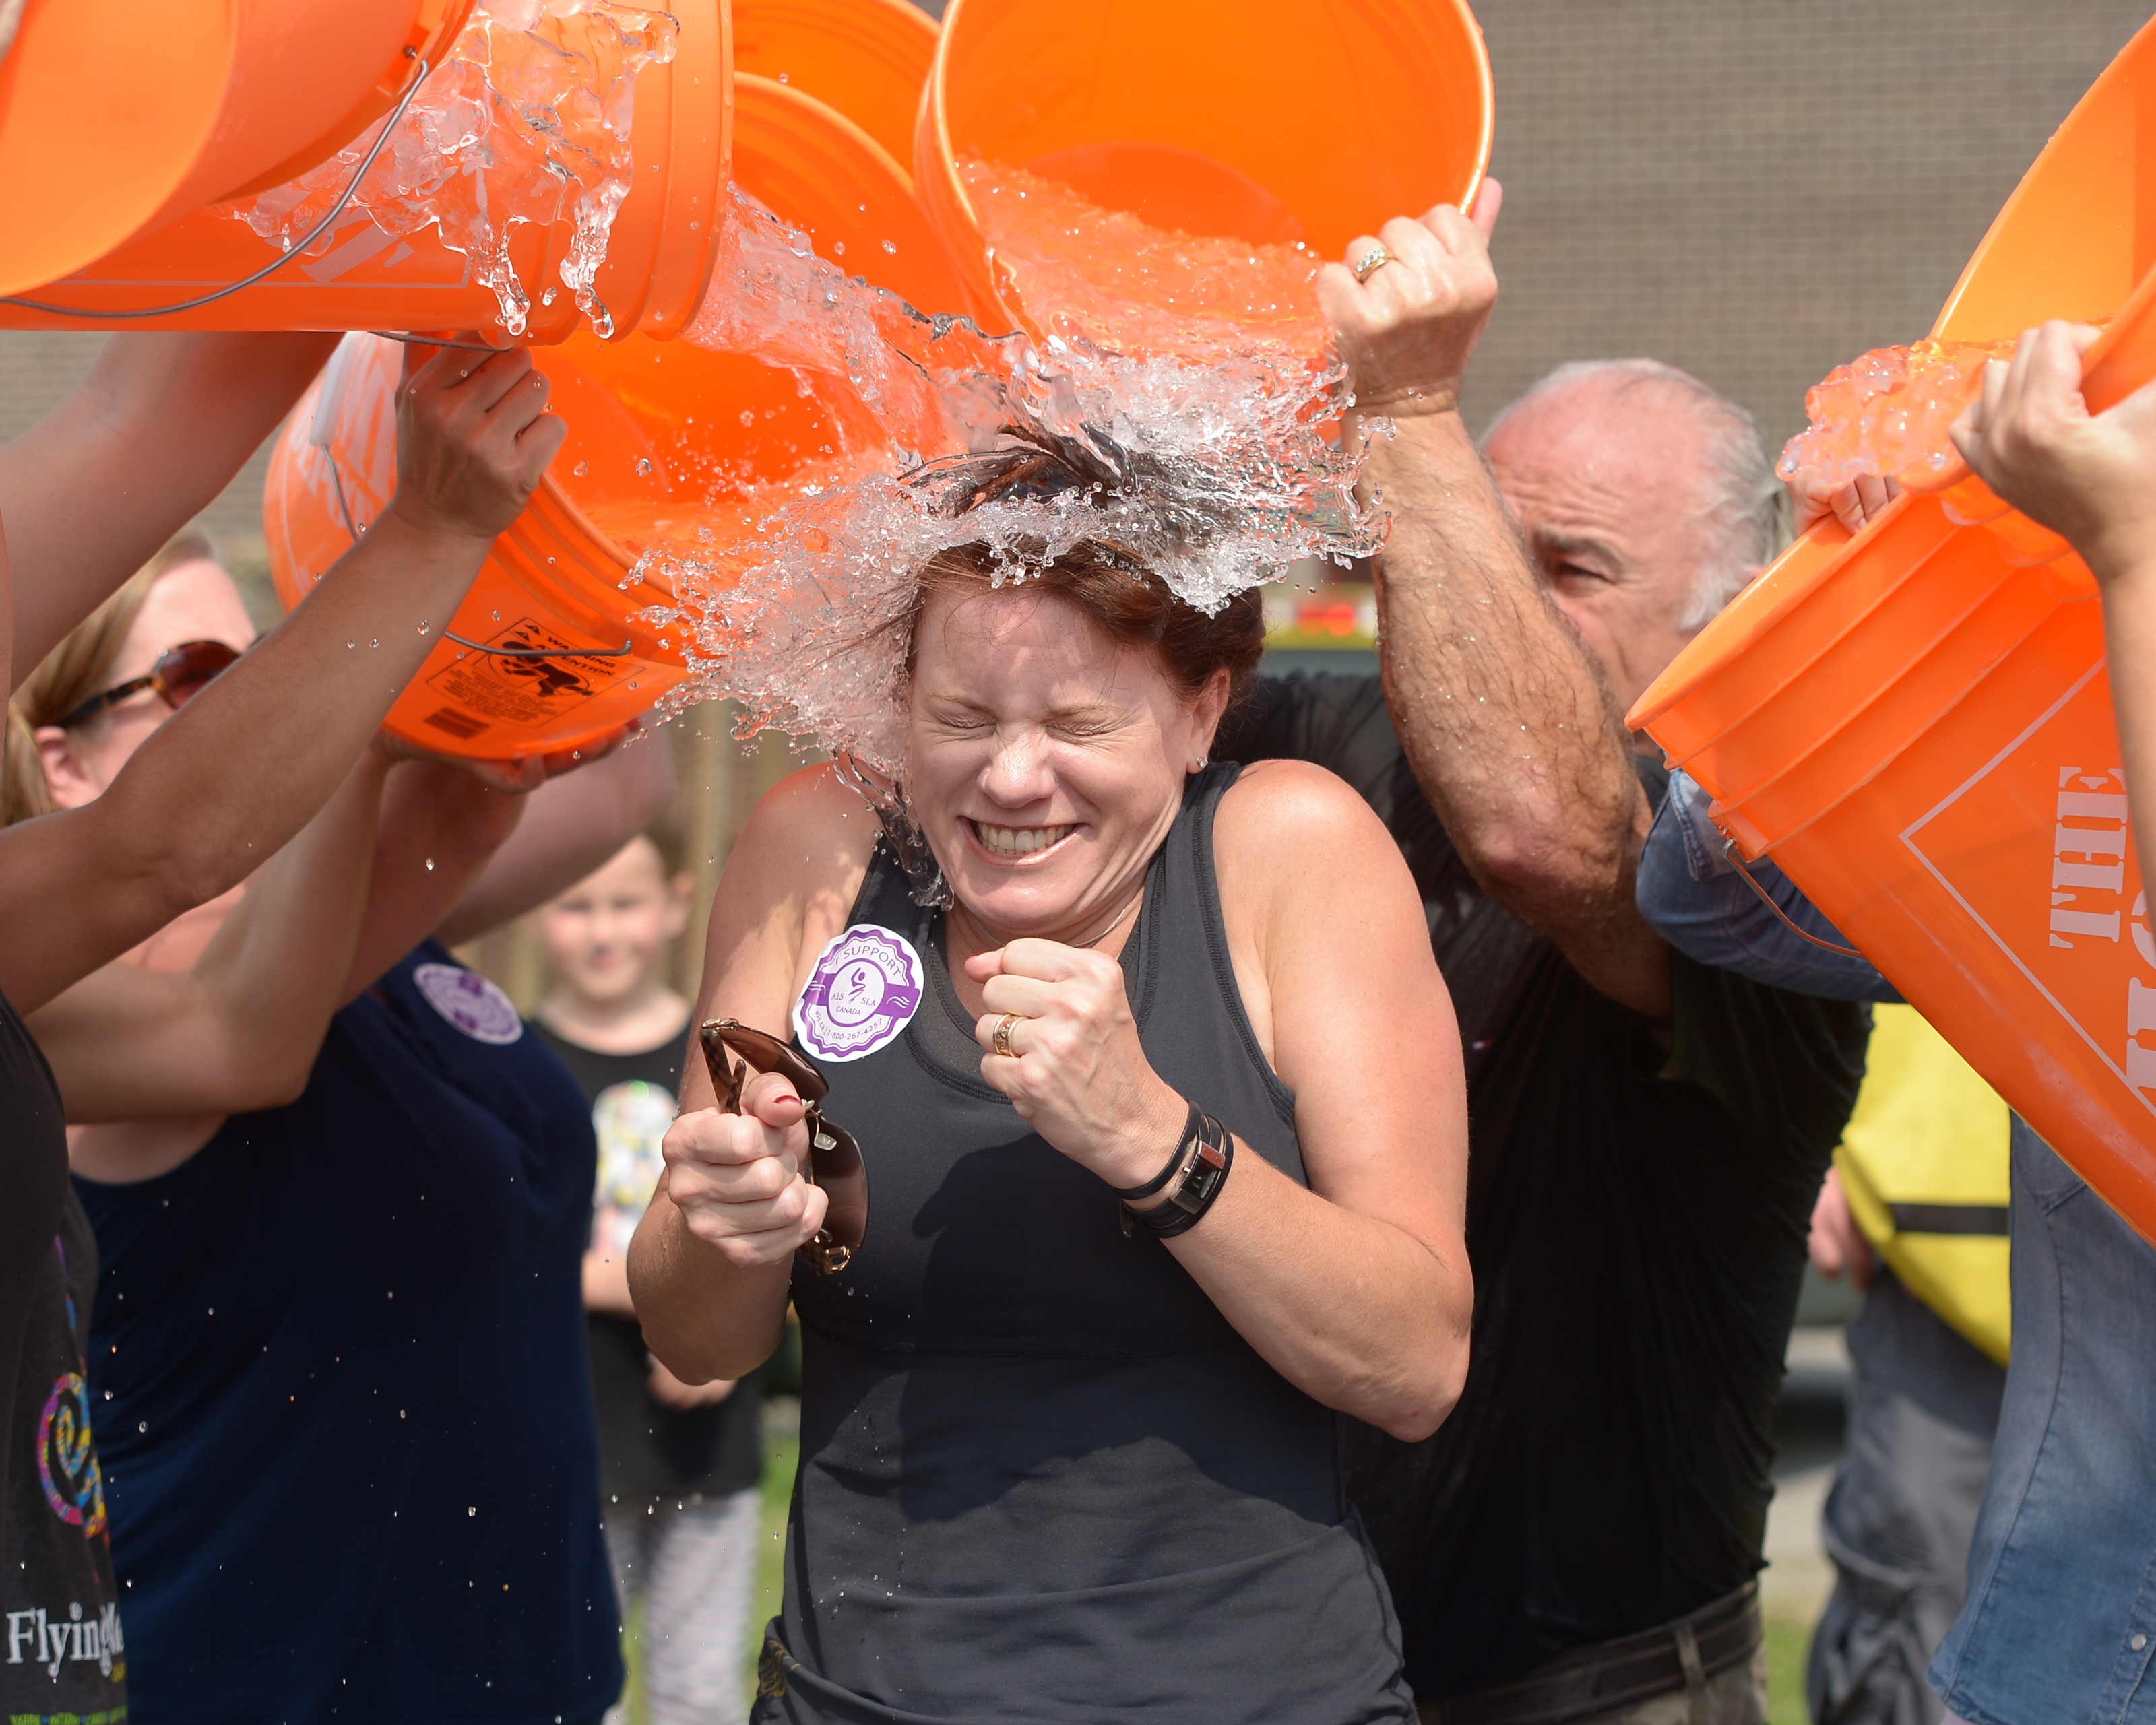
658,252
867,58
118,116
561,642
667,440
1916,725
1180,113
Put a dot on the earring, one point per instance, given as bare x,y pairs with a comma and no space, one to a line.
1199,764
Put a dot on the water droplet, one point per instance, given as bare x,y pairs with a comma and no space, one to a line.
643,465
141,1424
783,77
838,246
375,642
497,617
748,416
889,246
423,627
548,297
430,863
351,643
581,469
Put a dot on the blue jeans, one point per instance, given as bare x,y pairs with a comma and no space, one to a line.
2061,1624
1689,891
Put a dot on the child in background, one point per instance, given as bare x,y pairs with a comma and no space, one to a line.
680,1464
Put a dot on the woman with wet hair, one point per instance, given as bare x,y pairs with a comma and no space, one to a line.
1165,1135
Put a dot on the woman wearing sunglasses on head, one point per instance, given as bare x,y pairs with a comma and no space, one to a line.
1165,1155
211,796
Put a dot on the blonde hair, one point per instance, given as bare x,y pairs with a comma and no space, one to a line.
74,671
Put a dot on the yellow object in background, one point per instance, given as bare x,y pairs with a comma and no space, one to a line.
1924,1164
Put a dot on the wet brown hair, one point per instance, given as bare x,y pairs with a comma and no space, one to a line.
1132,605
79,668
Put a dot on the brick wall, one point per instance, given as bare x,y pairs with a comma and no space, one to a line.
1757,191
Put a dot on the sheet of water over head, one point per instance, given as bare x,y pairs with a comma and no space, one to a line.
526,120
1213,465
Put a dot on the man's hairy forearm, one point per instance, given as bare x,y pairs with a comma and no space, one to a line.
1504,715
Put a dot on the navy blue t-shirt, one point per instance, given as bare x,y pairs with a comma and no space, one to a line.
338,1379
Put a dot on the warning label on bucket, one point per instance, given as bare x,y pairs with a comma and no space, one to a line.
489,688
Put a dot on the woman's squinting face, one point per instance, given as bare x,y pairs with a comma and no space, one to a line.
190,601
1044,762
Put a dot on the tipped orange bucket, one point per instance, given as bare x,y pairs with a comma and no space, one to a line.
826,92
867,58
1183,114
1916,725
119,116
668,442
658,257
562,641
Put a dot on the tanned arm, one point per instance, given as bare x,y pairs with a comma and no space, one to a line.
231,777
138,449
240,1029
1507,721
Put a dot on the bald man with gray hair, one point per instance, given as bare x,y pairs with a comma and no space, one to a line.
1577,1544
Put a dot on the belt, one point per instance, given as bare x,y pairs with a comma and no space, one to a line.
1615,1675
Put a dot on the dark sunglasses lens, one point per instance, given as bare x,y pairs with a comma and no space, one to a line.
189,668
840,1170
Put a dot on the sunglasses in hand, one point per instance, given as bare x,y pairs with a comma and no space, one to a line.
178,677
834,1158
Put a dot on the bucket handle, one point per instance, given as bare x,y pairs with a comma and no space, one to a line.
268,269
1767,899
622,652
545,652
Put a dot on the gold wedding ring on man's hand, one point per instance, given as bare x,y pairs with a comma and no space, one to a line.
1370,263
1000,1041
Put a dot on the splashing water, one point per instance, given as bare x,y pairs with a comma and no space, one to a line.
1212,472
1887,412
1105,276
528,117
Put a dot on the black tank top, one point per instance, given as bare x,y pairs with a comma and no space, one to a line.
1042,1477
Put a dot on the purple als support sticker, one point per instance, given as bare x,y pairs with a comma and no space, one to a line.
470,1002
864,991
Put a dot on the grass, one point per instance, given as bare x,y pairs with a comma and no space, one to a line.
781,1451
1788,1642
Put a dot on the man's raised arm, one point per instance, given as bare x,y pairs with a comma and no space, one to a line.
1505,717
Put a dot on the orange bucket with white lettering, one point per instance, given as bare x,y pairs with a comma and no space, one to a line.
118,116
658,248
1916,723
1190,115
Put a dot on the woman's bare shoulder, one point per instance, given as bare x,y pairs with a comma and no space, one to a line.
1293,843
1274,805
790,880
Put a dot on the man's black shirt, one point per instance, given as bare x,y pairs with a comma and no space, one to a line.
1636,1216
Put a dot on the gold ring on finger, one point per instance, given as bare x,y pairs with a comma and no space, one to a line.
1370,263
1001,1040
